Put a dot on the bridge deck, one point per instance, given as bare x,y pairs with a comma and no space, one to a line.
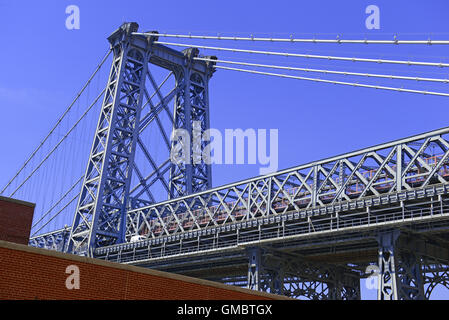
338,238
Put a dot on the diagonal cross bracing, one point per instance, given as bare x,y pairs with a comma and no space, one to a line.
371,172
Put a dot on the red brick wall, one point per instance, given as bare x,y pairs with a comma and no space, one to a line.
31,273
15,220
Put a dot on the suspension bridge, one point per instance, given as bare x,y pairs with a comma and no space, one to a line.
312,231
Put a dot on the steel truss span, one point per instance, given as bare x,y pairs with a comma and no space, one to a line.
337,209
365,178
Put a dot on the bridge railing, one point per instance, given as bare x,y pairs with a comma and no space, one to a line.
401,165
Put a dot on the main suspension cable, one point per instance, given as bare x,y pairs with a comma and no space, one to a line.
346,73
310,56
336,82
292,39
56,214
59,142
58,202
59,120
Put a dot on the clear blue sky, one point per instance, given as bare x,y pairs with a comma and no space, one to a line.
43,65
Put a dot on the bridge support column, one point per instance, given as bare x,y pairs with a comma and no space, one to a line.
400,273
254,269
387,289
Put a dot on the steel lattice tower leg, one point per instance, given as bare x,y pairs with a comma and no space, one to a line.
99,219
192,115
101,215
387,289
400,274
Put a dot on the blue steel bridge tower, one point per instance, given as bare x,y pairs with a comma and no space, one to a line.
128,109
